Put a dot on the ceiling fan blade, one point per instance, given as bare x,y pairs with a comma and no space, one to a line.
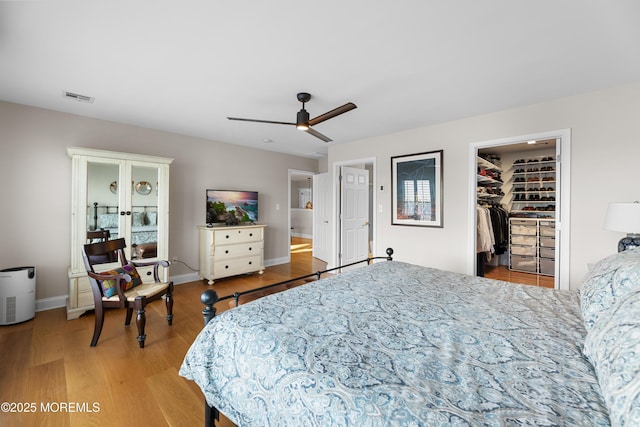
260,121
330,114
318,135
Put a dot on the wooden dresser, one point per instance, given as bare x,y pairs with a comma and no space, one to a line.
230,250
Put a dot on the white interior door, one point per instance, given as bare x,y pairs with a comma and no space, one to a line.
321,249
354,215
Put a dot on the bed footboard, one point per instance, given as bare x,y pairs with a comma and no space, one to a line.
210,297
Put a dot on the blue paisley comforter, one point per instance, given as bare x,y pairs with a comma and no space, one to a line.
396,344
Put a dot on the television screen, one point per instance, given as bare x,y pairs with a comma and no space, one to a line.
231,207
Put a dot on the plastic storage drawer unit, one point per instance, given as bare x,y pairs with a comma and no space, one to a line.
547,242
523,240
523,250
547,267
548,253
529,230
524,263
548,230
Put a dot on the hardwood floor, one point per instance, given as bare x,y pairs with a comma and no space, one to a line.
46,363
503,273
48,368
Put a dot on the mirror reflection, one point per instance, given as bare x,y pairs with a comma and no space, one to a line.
139,224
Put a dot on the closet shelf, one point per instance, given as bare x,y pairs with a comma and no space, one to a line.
482,179
533,178
487,164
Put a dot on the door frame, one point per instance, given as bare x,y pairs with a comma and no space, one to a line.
563,209
337,193
321,216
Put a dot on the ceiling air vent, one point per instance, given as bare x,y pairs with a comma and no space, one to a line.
78,97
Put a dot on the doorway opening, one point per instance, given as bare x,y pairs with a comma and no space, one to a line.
300,212
520,200
354,233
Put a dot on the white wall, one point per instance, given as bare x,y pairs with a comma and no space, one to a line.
36,192
605,151
302,223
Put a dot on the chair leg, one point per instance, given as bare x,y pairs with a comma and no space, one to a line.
169,304
99,321
127,320
141,319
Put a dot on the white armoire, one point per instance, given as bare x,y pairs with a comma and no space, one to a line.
126,194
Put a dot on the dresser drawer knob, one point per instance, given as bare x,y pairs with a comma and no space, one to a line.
250,248
227,251
226,266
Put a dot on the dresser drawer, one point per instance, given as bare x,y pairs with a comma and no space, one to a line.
224,252
235,266
146,273
236,235
84,292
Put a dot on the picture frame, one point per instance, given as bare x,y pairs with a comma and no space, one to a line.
416,189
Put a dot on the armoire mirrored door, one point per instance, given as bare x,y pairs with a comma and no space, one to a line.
116,195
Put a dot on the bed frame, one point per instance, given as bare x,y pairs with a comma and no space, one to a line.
210,297
114,210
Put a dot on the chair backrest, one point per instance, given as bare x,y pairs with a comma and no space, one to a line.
104,252
98,236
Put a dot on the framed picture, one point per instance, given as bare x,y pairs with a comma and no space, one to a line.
416,188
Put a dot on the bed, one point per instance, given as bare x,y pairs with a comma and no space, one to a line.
144,226
395,344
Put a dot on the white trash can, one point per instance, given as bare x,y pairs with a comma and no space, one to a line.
17,295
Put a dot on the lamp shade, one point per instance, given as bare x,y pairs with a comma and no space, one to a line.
623,217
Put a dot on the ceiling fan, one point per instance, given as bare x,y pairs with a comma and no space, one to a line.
302,119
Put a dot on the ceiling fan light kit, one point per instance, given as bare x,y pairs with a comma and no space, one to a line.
302,121
302,118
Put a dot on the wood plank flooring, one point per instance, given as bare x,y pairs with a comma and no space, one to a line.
502,272
46,363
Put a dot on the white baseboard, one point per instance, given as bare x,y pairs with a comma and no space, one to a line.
276,261
302,235
195,276
45,304
61,300
185,278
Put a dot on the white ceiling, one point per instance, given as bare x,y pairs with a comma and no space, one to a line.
184,66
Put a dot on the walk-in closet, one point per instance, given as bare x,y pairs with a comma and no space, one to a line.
517,192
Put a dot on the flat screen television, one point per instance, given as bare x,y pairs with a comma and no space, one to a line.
232,207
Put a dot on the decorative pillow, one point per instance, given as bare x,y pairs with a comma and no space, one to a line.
152,218
139,219
611,279
108,286
108,221
613,347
